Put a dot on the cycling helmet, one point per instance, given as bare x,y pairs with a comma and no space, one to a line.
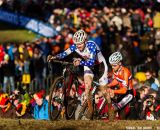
79,37
115,58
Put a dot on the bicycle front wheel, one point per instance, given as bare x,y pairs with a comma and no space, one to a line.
56,98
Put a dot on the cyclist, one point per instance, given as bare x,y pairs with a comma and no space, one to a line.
122,78
91,54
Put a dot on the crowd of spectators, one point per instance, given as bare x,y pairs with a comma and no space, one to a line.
132,28
21,63
21,104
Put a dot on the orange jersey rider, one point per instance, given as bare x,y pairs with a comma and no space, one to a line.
122,79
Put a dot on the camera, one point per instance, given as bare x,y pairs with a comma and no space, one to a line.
149,100
149,103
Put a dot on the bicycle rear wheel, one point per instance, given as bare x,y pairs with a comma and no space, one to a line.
71,108
71,102
55,110
83,111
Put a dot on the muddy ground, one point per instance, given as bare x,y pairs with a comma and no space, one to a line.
10,124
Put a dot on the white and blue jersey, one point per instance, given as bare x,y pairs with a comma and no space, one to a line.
92,55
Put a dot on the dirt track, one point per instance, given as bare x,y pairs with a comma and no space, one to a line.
10,124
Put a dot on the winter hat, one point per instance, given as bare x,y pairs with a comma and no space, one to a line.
40,94
154,86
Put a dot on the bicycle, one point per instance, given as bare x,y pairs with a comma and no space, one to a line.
98,113
67,107
61,104
70,74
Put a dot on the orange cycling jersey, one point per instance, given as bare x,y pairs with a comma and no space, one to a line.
122,78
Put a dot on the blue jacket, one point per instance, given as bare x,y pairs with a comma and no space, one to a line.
41,112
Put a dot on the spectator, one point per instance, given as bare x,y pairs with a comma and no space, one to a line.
151,80
140,96
126,19
38,65
6,110
2,53
8,71
150,109
156,20
117,21
136,21
157,38
41,107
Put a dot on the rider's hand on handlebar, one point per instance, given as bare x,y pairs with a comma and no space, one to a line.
111,92
50,57
76,61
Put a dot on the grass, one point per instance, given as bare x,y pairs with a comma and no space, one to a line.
27,124
11,33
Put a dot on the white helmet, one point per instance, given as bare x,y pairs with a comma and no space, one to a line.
79,37
115,58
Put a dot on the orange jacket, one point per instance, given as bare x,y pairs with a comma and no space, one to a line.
122,78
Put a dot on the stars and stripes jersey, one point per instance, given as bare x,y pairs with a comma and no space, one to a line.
91,54
122,78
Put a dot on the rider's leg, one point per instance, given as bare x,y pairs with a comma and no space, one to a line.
103,81
107,96
88,82
125,100
121,106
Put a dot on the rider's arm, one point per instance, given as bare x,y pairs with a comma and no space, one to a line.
122,90
125,84
62,55
92,57
126,78
113,83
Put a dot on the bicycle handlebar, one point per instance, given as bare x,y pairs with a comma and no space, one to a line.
62,62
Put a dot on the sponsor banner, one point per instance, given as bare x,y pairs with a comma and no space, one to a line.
29,23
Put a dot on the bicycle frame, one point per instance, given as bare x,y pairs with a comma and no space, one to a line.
69,78
68,81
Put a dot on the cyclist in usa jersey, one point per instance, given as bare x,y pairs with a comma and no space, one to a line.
92,56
